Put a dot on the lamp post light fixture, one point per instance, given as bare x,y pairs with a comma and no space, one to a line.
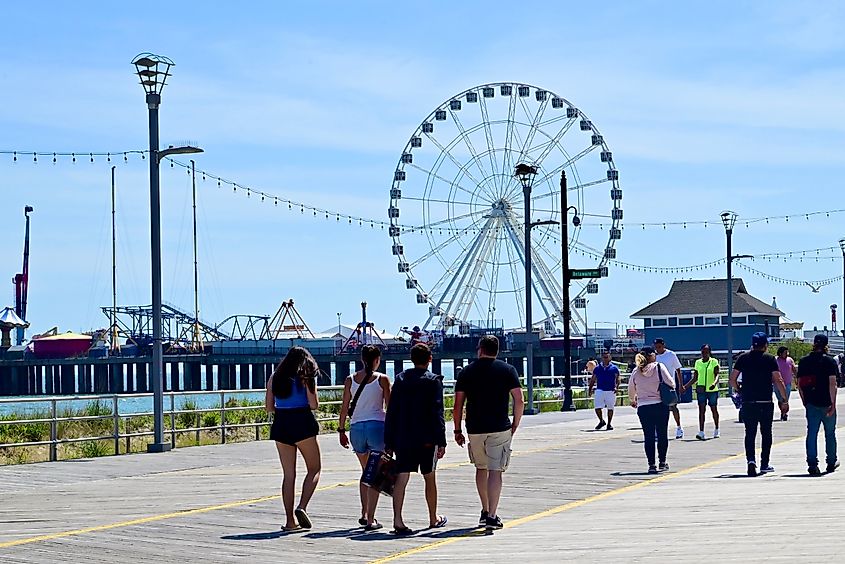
153,71
568,405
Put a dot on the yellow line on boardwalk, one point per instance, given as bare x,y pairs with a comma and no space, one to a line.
568,506
188,512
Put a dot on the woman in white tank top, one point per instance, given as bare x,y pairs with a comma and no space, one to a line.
372,390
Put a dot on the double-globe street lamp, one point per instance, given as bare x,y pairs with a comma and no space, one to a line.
729,220
525,173
153,71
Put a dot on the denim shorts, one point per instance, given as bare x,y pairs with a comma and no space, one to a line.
708,398
366,436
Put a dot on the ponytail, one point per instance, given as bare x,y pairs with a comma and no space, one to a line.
641,360
370,355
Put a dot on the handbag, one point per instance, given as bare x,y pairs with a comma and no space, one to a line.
380,472
668,394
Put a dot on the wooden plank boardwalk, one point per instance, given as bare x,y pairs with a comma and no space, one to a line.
571,494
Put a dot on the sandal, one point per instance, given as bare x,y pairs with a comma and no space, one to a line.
291,529
401,531
375,526
362,522
441,522
302,518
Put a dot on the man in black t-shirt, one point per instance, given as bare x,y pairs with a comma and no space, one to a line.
415,430
817,386
759,373
487,385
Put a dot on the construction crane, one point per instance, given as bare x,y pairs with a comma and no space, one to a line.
21,281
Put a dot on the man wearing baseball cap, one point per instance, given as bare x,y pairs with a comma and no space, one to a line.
759,373
817,386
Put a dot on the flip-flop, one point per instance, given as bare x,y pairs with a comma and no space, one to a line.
441,522
402,531
302,518
375,526
291,529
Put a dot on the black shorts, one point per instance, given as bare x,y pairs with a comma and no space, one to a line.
293,425
421,459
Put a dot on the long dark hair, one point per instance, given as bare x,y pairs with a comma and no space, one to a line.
369,356
297,364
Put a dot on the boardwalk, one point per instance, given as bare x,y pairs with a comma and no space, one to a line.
571,494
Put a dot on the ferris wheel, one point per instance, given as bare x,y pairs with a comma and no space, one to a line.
457,212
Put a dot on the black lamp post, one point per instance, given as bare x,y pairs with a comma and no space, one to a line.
525,173
729,220
568,405
153,71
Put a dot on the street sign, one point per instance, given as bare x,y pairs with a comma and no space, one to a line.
579,273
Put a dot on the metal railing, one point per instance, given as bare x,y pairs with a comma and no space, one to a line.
120,430
121,434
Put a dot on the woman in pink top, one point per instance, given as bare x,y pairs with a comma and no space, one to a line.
644,395
787,369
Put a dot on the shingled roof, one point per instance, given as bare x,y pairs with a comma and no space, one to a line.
703,297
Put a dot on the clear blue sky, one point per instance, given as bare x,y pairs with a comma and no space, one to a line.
706,106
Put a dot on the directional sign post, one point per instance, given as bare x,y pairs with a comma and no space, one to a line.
581,273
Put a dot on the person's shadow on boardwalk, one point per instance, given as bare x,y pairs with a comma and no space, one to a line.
260,536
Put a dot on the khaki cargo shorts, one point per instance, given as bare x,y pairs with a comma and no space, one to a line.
491,451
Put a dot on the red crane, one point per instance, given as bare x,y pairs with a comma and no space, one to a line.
21,281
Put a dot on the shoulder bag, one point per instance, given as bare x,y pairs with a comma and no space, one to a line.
360,389
668,394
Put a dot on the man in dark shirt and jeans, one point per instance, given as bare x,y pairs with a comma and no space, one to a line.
415,430
487,385
817,386
759,373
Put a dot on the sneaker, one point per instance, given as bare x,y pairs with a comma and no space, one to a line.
493,523
752,469
610,427
783,417
663,466
767,468
814,471
831,467
652,469
700,436
679,433
600,425
482,521
716,433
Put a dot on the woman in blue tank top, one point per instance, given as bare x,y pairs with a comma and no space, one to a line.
291,397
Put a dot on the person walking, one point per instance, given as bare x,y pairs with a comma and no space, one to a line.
644,396
817,386
759,375
787,369
487,386
291,397
605,380
706,390
670,360
415,430
365,395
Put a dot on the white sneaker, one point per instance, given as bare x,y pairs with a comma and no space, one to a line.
700,435
716,433
679,434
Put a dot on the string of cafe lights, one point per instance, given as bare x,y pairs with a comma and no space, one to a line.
813,284
92,156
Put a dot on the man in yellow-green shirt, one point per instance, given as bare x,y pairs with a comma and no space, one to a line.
707,390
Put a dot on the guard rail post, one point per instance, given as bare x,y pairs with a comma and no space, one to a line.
54,432
115,425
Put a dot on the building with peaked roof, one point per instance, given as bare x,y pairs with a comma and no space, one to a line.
695,312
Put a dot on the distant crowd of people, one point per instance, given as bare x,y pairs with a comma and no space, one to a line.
406,420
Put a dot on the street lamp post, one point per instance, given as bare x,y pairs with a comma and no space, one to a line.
526,173
153,71
842,246
729,220
567,277
338,325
